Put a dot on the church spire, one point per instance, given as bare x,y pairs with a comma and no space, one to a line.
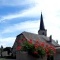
41,23
42,30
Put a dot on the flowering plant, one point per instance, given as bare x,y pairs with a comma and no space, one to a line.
36,49
50,50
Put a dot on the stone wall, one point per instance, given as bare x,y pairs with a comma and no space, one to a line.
57,56
25,56
16,44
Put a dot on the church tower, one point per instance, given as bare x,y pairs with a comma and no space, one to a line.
42,30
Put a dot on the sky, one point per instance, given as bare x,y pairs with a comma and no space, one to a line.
17,16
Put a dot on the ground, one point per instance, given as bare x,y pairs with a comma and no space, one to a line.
6,59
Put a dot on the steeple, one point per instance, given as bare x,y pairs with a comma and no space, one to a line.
42,30
41,23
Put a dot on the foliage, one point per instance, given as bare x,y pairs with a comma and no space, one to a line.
36,48
50,50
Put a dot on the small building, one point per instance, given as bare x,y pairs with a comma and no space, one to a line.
41,36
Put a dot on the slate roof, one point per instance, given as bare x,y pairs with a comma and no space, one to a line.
41,38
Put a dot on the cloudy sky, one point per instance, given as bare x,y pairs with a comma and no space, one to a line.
17,16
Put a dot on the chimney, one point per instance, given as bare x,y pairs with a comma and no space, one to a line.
50,38
57,41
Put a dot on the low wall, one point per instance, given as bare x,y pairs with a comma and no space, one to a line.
25,56
57,56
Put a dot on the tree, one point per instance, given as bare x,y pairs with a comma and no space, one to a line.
1,50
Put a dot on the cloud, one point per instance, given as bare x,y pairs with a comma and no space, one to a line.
6,42
31,12
27,25
52,24
23,26
49,9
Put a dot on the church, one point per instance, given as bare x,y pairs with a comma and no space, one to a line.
41,36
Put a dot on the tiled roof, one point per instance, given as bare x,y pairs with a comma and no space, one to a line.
41,38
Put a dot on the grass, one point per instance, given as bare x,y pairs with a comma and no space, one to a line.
2,59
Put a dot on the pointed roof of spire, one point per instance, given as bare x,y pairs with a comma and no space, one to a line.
41,23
